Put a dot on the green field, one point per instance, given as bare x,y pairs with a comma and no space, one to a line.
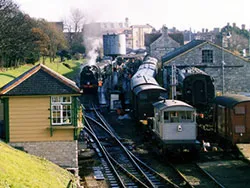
10,74
19,169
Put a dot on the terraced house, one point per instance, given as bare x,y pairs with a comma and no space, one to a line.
40,113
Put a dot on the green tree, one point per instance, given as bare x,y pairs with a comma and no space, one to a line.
53,39
15,34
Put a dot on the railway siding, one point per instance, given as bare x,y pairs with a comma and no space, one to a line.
231,173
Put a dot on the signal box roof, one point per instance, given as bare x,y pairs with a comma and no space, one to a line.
40,80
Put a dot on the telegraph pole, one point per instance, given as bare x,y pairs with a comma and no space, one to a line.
173,83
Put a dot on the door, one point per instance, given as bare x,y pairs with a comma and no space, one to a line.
199,94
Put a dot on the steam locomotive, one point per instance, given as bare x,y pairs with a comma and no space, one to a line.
89,78
197,89
93,75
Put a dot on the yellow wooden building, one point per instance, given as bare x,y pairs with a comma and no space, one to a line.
40,113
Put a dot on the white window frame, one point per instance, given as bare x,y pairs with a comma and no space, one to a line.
57,105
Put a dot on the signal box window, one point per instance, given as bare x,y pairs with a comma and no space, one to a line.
207,56
61,112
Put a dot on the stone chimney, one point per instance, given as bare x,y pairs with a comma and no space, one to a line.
206,30
243,26
203,30
234,25
165,31
126,22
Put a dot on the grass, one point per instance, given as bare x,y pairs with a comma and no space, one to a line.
10,74
19,169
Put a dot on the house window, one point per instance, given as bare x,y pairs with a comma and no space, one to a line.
61,110
207,56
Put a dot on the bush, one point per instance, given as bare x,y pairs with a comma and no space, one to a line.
32,58
67,65
77,56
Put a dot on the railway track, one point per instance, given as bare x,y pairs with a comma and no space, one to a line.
196,176
126,169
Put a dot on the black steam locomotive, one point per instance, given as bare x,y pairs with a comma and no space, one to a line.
89,78
93,75
197,89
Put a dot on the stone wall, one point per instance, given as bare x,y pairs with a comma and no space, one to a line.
163,45
62,153
236,69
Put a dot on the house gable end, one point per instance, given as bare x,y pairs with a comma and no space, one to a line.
182,50
163,41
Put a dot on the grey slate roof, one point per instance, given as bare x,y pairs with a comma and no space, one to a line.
151,37
181,50
39,80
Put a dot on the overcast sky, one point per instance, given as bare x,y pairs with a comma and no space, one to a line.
182,14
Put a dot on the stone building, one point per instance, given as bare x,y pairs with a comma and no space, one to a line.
97,29
158,44
58,25
138,32
235,71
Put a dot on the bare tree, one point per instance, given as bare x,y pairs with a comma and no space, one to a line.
78,19
74,26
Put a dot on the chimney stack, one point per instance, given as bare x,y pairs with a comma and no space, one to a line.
243,26
164,31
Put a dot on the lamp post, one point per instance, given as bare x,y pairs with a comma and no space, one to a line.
223,65
227,34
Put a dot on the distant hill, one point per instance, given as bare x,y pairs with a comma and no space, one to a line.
19,169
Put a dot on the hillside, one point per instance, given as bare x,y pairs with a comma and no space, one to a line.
19,169
70,72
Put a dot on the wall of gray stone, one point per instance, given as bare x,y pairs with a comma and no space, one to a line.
62,153
236,69
162,45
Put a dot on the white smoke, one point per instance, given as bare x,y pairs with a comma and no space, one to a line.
94,45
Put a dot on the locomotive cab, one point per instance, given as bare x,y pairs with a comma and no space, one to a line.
175,125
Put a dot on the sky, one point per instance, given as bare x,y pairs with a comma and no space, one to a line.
182,14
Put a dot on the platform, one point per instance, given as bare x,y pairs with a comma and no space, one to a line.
245,150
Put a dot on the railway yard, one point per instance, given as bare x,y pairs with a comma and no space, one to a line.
215,168
135,136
